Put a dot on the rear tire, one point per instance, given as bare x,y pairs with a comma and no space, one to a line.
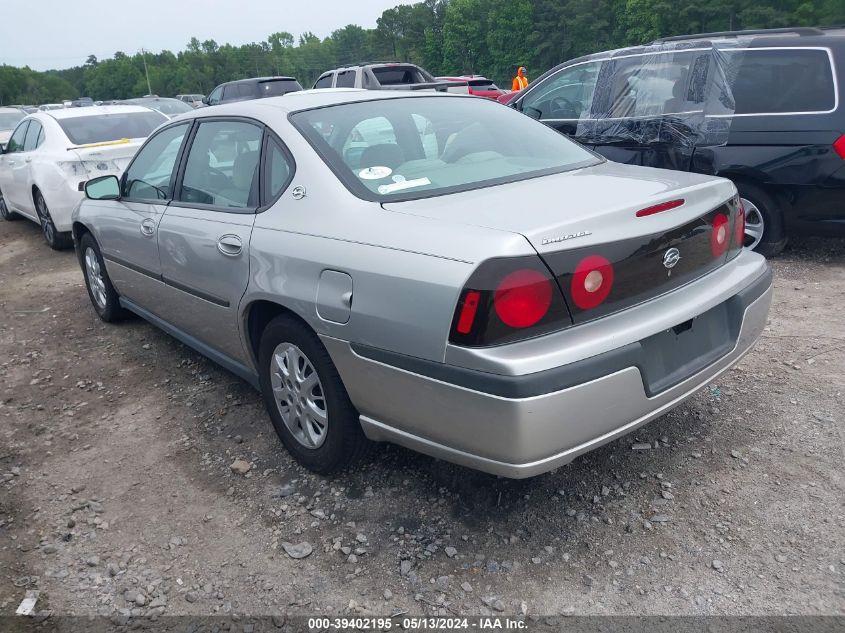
55,240
306,399
5,213
762,210
103,296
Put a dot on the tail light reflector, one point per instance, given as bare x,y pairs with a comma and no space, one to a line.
839,146
523,298
591,282
659,208
739,229
719,236
468,311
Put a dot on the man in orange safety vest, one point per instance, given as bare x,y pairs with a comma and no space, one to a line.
520,82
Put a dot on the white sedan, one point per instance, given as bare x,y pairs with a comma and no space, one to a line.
9,118
51,154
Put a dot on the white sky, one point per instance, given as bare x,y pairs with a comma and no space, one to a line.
62,33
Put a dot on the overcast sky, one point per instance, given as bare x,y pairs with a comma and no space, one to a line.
62,33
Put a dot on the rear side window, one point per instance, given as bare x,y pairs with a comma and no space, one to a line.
781,81
246,91
32,136
346,79
324,82
279,170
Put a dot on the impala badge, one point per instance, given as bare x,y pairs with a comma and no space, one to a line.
563,238
671,259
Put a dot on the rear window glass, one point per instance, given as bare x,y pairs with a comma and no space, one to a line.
398,75
278,87
101,128
346,79
394,149
773,81
483,84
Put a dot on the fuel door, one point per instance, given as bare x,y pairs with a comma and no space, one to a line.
334,296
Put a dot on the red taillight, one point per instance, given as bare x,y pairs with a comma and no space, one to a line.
658,208
591,281
470,90
839,146
719,235
523,298
468,311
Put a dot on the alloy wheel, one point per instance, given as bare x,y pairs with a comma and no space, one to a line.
754,225
299,396
44,216
95,278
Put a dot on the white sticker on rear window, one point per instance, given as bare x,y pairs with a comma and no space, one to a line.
374,173
407,184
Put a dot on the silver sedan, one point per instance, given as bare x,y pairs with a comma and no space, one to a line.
436,271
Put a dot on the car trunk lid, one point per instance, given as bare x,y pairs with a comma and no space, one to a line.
591,213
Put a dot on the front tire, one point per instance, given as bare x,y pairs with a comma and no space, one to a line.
5,212
764,223
55,240
103,296
306,399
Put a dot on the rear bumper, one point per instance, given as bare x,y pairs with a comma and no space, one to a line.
522,426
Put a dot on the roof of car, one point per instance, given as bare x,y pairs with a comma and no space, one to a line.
308,99
71,113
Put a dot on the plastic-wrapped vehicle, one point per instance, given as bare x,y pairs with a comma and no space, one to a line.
759,107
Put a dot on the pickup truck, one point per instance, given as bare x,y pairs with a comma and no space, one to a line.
382,76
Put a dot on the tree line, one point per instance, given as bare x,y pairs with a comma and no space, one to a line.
447,37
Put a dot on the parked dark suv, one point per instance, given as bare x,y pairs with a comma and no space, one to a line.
759,107
255,88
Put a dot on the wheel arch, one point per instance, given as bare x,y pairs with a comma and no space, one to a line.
257,314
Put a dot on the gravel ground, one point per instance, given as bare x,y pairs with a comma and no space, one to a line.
120,491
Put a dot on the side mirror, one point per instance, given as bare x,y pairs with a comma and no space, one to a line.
205,101
103,188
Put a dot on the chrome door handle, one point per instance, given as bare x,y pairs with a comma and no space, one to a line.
28,160
230,245
148,227
11,162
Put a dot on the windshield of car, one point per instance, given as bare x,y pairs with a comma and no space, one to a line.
8,120
277,87
418,147
101,128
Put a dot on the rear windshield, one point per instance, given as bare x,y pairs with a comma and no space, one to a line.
398,149
8,120
278,87
399,75
779,81
483,84
101,128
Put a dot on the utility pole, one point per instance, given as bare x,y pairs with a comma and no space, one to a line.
146,72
